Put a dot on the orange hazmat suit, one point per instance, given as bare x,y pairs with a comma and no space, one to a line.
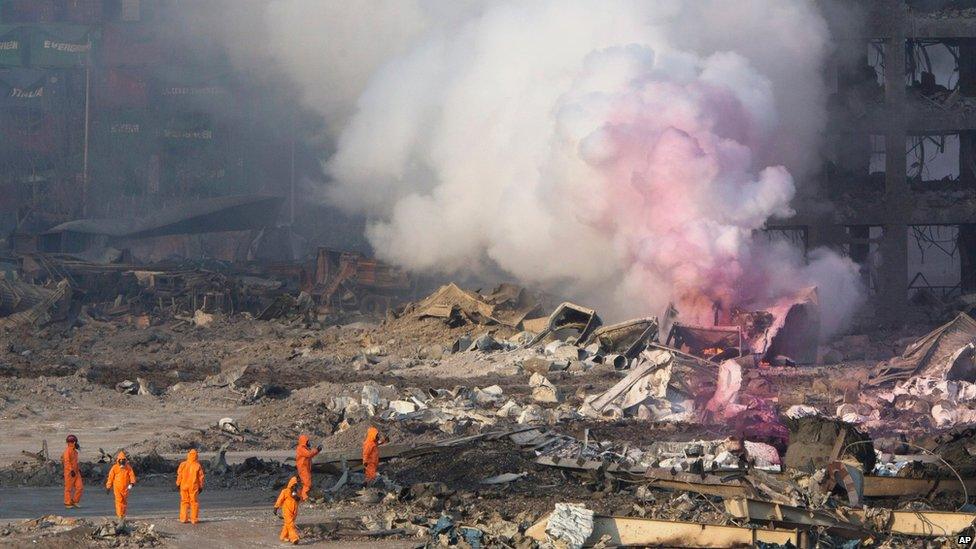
371,452
303,462
189,479
289,511
120,479
73,485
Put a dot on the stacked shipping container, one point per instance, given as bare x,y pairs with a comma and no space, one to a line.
157,113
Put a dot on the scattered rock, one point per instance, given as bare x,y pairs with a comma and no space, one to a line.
543,390
561,365
127,387
403,406
536,365
485,344
546,394
371,398
461,344
567,352
510,409
531,414
146,387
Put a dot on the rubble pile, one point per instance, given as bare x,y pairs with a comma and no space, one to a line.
497,412
57,530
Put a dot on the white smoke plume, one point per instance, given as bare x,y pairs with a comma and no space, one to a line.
621,151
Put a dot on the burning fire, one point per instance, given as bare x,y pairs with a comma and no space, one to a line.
712,352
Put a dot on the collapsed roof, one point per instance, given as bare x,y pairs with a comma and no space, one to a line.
507,304
932,355
225,213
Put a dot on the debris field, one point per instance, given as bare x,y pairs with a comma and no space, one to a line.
512,421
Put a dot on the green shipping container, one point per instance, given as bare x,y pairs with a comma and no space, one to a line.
61,46
190,130
125,130
13,45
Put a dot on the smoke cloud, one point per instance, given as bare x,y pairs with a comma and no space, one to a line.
623,152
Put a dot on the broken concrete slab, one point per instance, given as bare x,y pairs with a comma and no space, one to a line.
146,387
403,406
531,414
546,394
461,344
536,365
650,388
543,390
815,441
494,390
565,352
231,376
485,343
510,409
488,396
371,397
127,387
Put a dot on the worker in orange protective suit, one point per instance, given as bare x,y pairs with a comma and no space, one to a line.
287,506
73,483
371,452
303,462
189,479
120,480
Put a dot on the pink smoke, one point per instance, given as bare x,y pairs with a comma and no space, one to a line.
679,195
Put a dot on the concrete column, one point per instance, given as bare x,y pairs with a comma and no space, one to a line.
967,254
893,292
860,247
967,158
967,87
967,67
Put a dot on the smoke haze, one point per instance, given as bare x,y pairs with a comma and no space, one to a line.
622,152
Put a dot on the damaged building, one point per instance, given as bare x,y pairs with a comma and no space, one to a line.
900,173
